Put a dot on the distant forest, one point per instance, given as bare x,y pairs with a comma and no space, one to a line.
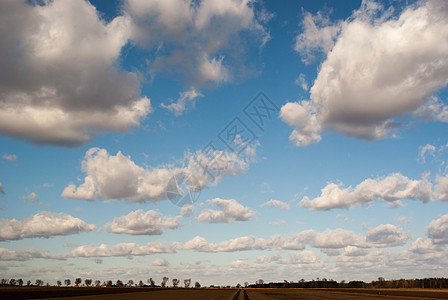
427,283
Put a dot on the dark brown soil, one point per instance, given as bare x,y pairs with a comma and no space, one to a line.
83,293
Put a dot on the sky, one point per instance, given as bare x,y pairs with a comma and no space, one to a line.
223,141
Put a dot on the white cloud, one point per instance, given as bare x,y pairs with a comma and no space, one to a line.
70,245
244,243
297,258
391,188
10,157
118,177
318,36
330,242
24,254
395,204
185,99
374,74
72,88
187,210
441,188
331,251
433,110
301,81
32,198
212,70
43,224
276,203
90,251
277,223
123,249
230,211
160,262
201,165
437,230
423,245
355,251
302,116
142,223
294,242
430,149
335,239
201,41
329,239
263,259
403,219
386,236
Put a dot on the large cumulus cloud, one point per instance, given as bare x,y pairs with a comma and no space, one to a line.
379,69
119,177
59,79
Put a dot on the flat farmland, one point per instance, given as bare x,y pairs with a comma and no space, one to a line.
218,294
314,294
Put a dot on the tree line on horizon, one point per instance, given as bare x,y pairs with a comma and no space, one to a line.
427,283
430,283
98,283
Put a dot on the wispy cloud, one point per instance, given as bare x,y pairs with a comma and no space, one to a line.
276,203
32,198
10,157
186,99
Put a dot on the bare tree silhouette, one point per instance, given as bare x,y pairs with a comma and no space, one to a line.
151,282
88,282
78,281
164,280
187,283
175,282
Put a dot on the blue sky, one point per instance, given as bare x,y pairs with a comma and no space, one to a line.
106,105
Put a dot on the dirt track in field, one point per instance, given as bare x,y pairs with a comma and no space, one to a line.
218,294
